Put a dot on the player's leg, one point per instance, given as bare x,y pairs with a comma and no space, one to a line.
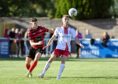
29,73
78,50
37,56
28,62
29,58
33,54
62,66
53,57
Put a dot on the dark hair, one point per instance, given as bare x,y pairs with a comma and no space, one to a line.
34,20
92,41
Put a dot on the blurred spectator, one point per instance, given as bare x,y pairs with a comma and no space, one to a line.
11,36
105,39
47,36
21,33
51,46
26,43
18,42
112,36
5,33
88,35
78,47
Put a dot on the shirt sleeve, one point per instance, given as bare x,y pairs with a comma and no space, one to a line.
46,30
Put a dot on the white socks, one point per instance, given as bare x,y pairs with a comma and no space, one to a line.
62,66
46,68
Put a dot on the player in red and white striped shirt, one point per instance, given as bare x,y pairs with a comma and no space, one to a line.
36,38
64,33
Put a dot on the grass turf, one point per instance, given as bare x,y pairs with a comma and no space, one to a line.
77,71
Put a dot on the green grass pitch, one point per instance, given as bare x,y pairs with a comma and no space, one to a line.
77,71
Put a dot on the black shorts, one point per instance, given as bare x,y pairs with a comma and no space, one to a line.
33,52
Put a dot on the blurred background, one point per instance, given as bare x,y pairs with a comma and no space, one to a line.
97,16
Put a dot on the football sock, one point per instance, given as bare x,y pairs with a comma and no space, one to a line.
33,66
46,67
62,66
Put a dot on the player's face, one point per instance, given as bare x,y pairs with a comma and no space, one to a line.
65,20
34,24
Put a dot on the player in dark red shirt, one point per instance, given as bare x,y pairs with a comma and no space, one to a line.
36,38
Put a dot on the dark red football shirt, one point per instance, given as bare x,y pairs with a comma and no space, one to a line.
37,35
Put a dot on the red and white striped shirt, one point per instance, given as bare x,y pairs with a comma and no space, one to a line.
37,35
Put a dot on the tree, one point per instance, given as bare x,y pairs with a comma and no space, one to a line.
86,8
25,8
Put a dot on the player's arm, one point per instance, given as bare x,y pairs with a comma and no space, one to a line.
51,30
32,43
78,42
26,36
50,41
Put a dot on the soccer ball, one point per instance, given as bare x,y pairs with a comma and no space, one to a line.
72,12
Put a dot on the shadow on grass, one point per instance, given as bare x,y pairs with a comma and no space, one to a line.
99,77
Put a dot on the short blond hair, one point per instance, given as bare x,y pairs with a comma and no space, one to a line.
66,16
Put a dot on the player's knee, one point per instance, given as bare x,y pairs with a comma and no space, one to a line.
27,63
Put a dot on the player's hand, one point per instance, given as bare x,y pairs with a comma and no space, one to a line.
14,41
45,47
81,46
40,42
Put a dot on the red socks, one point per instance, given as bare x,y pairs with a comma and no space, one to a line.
33,66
